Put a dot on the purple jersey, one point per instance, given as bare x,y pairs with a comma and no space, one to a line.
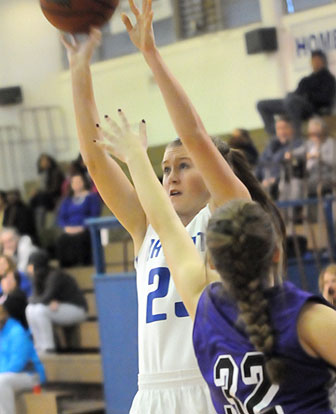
235,372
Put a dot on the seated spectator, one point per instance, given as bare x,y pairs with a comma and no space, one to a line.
77,166
49,192
241,140
271,160
315,94
327,283
73,246
3,204
57,299
20,367
19,215
318,154
11,278
17,247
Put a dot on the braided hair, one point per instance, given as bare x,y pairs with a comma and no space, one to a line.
242,241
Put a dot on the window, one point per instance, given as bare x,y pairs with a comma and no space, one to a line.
293,6
176,19
196,17
239,12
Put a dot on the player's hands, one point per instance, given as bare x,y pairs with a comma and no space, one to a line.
81,52
141,34
121,141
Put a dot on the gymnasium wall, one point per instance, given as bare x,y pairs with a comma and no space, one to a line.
222,80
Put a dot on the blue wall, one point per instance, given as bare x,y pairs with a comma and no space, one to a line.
116,300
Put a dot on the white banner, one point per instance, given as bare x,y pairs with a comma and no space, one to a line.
162,10
319,33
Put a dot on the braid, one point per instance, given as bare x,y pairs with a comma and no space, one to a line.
242,241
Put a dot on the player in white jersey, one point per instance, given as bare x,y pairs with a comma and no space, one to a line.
162,388
167,362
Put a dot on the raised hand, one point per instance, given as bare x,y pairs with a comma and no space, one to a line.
81,52
122,142
141,34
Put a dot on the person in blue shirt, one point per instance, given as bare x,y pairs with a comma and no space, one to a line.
20,367
14,277
73,247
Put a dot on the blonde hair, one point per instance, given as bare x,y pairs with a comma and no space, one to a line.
10,262
242,241
331,268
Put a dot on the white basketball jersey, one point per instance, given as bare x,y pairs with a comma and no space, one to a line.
165,329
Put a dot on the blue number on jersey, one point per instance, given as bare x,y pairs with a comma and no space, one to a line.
163,274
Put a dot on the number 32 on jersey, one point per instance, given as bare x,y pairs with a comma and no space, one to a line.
252,371
163,275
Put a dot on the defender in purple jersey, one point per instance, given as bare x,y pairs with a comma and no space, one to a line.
235,372
262,347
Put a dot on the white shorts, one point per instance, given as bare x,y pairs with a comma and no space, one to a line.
172,393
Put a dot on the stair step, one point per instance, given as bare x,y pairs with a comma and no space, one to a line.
73,368
83,407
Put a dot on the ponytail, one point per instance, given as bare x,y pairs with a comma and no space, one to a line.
242,241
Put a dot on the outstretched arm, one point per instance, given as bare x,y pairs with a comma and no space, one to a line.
184,261
114,187
217,174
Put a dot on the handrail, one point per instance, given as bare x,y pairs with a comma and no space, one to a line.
96,224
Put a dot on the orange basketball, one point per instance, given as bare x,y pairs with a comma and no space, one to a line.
76,16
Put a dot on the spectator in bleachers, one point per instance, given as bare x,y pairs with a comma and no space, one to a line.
241,140
20,367
3,204
11,278
57,299
19,215
271,160
49,192
327,283
318,154
315,94
77,166
73,246
17,247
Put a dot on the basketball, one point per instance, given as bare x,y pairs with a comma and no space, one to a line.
76,16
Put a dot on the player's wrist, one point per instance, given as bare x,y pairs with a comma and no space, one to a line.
150,53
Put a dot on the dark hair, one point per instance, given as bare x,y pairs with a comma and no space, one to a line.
242,170
319,53
285,118
3,196
15,304
244,137
86,182
77,166
13,196
40,261
242,240
52,162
